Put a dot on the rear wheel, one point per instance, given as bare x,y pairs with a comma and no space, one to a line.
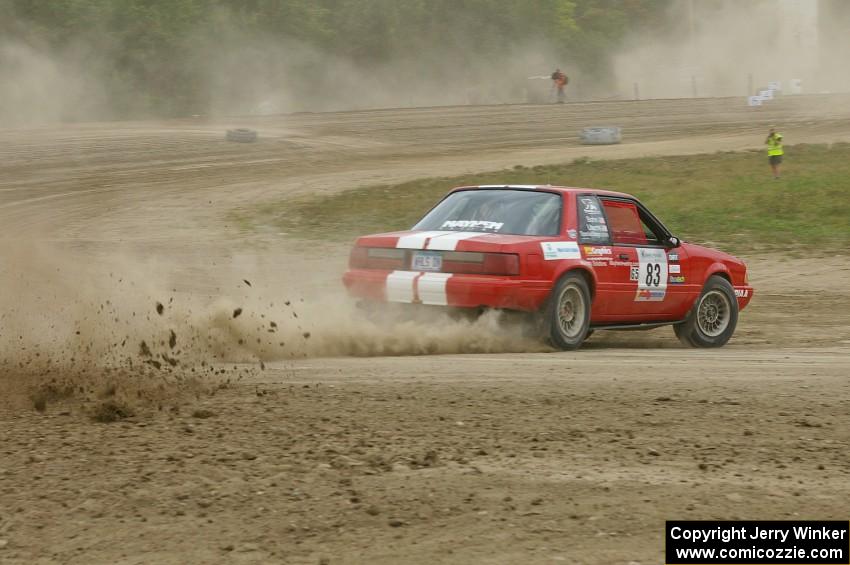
567,316
712,320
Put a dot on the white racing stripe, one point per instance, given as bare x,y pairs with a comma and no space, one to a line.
432,288
429,287
400,286
417,240
448,242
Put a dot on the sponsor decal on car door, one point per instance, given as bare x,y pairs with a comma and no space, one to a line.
652,274
683,288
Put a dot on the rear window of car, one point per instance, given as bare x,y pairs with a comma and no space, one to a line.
505,211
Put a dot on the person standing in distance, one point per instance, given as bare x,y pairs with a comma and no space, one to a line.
774,151
559,81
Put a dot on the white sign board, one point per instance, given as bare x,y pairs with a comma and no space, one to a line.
754,100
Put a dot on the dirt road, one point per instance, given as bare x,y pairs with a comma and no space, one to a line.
160,181
532,456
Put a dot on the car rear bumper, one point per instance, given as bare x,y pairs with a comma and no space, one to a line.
446,289
744,294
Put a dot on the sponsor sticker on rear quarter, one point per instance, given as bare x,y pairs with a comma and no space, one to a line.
556,250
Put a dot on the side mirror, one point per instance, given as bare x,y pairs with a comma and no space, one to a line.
673,242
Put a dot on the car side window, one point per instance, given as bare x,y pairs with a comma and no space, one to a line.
626,225
592,224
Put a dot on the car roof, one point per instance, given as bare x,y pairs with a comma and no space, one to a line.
547,188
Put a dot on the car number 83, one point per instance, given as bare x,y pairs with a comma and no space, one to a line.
653,274
652,265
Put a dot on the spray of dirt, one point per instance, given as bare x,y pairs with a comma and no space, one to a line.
69,323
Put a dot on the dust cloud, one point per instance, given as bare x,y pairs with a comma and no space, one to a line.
701,49
224,70
38,86
727,48
256,73
240,74
256,76
121,317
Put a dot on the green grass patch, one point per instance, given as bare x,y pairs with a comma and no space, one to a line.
726,198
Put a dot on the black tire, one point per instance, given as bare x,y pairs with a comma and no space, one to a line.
712,320
567,316
682,332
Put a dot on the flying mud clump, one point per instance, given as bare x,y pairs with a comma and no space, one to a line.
106,369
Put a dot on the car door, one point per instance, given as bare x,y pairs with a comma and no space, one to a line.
679,293
655,271
614,291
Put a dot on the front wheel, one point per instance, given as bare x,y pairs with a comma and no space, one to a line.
567,316
712,320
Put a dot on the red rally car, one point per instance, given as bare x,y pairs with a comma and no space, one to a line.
579,259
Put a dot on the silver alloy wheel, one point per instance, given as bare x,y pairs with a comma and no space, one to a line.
714,313
571,311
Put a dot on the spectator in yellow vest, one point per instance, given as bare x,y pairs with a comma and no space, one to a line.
774,151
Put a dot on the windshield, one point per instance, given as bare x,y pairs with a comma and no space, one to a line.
516,212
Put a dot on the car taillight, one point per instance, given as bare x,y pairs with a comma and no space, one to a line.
474,263
358,257
386,258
